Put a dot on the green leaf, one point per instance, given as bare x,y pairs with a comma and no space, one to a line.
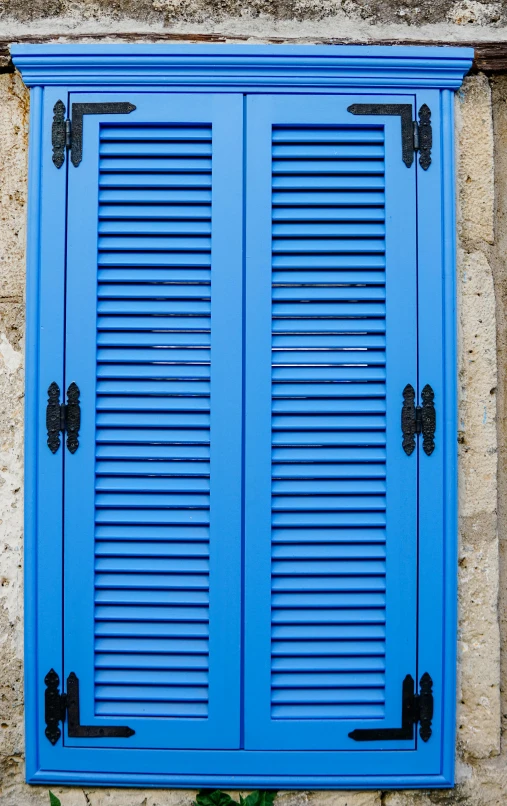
210,797
260,797
253,798
53,800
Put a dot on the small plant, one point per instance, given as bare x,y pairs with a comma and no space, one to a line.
210,797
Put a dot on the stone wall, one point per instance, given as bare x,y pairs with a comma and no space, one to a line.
360,20
481,138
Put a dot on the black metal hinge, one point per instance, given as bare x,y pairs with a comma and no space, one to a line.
58,706
418,419
67,133
62,417
415,135
415,709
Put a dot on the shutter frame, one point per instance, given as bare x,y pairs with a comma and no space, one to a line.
40,68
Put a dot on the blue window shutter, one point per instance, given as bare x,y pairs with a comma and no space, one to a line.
247,573
331,529
152,495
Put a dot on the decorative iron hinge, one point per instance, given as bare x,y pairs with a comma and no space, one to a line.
415,709
58,706
415,136
67,133
62,417
58,138
55,706
425,137
418,419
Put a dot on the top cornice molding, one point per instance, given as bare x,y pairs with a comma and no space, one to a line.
243,66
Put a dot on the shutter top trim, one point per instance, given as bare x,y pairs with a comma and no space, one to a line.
235,67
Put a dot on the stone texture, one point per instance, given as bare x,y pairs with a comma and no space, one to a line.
477,384
412,12
13,140
468,12
499,93
479,637
482,287
291,20
475,168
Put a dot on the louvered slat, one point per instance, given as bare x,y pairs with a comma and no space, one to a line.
328,424
153,422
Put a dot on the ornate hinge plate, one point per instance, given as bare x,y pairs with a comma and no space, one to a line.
54,706
73,417
60,417
78,110
404,111
415,709
57,706
77,730
428,419
418,419
58,134
68,134
53,417
425,137
414,136
408,419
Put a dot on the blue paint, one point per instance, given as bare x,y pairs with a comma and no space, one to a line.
256,69
330,307
153,603
323,621
32,688
449,498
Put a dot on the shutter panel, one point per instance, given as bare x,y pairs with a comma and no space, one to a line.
331,537
153,496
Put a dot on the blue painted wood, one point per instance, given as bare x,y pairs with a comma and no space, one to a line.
450,523
233,67
437,479
32,394
109,514
346,782
280,589
172,541
46,276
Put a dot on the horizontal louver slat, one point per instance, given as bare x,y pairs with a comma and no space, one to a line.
153,422
328,423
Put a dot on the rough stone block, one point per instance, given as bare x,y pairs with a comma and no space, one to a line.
475,167
13,189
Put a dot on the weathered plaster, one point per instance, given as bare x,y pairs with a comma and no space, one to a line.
292,20
482,285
